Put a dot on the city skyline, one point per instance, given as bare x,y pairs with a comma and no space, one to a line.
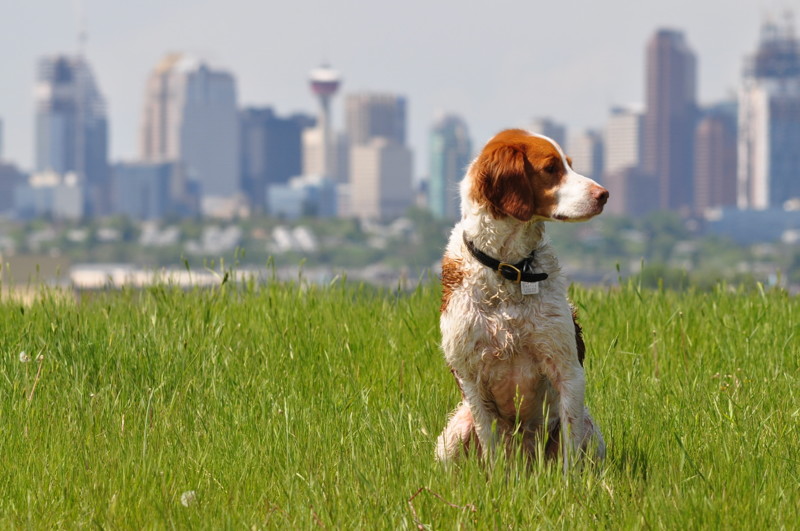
443,67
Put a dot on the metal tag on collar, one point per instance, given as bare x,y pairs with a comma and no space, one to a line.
529,288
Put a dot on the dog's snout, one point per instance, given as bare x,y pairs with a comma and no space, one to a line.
600,194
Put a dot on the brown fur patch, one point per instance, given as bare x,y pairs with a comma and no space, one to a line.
452,277
517,175
579,336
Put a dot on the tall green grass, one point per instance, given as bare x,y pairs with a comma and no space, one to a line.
293,405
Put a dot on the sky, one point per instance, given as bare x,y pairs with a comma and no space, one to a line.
497,64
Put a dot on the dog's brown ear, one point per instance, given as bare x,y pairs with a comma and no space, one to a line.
503,179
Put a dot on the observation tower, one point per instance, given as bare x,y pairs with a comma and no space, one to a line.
324,82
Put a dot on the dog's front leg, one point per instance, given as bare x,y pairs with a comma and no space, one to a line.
570,383
456,435
481,416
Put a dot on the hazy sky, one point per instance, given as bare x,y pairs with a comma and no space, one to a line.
498,64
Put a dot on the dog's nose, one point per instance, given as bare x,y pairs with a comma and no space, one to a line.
600,194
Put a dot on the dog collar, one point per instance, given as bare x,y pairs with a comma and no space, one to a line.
519,272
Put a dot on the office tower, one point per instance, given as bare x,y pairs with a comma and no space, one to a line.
380,162
670,118
314,162
623,139
549,128
586,150
450,154
71,127
632,191
271,151
380,179
320,143
769,121
190,116
369,115
715,158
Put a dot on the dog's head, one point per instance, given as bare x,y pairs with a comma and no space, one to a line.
527,176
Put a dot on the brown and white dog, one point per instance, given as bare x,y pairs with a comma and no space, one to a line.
510,336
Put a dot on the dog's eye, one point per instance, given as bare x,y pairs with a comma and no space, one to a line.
552,166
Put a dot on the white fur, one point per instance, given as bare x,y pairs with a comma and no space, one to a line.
498,340
574,197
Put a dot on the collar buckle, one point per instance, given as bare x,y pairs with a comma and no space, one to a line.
503,266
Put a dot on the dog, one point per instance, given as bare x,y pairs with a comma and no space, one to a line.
509,333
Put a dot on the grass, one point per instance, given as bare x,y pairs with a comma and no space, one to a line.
298,406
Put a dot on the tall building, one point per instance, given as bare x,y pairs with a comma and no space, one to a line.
586,150
549,128
321,160
190,115
632,190
71,127
380,162
271,151
715,158
623,139
670,117
769,121
370,115
380,179
450,154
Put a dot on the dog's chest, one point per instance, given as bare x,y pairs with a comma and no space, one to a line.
501,324
517,387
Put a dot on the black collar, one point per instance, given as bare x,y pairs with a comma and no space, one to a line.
522,271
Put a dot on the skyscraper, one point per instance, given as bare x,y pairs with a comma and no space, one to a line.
450,154
632,190
369,115
271,150
380,162
670,116
71,127
380,179
190,115
623,140
715,158
769,121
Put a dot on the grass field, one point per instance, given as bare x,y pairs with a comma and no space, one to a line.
295,406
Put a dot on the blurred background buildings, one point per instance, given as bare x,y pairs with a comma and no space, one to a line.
203,154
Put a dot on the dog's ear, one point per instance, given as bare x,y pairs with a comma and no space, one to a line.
503,179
